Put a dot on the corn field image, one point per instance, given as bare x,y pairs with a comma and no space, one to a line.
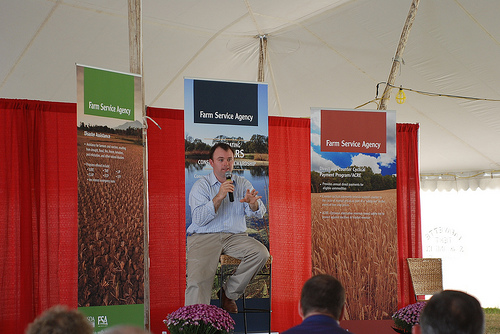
111,223
354,238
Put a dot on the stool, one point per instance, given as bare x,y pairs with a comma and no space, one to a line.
226,260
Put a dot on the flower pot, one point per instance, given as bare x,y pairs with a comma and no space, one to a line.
401,331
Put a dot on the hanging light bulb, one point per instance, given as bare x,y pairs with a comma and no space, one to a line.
400,96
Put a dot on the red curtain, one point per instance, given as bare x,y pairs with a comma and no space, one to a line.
167,220
409,228
38,209
289,215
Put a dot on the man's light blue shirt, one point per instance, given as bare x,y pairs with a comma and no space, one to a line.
230,217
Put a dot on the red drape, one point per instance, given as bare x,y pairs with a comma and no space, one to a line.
38,210
289,215
167,227
409,228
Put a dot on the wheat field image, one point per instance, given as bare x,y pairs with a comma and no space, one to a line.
354,238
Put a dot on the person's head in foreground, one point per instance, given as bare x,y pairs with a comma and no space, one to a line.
451,312
60,320
322,294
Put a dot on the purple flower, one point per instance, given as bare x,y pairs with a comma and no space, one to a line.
199,318
408,316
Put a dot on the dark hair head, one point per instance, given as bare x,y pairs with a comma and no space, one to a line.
60,320
452,312
324,294
222,145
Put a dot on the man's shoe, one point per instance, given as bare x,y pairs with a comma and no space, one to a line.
227,304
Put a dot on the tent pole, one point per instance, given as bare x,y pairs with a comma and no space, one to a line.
262,57
136,67
396,63
135,35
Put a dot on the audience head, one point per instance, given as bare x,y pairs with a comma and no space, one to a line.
451,312
60,320
322,294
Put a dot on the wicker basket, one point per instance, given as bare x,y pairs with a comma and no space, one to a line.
426,275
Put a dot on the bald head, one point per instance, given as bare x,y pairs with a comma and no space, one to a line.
452,312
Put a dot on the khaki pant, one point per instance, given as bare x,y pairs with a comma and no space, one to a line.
203,252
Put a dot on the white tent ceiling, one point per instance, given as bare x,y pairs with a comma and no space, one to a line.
329,53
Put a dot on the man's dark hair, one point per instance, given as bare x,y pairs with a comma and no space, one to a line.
60,320
452,312
324,294
222,145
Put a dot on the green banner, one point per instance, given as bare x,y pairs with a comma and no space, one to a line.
108,94
110,154
103,317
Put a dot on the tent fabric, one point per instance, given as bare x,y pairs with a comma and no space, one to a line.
478,180
38,201
329,54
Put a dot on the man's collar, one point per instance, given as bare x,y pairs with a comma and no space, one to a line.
212,179
312,314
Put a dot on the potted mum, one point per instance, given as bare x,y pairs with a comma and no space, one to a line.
199,319
405,318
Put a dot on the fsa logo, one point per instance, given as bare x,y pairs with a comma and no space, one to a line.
102,320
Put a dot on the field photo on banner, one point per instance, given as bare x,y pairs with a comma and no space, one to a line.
353,207
110,198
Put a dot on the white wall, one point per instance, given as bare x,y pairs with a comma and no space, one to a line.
463,228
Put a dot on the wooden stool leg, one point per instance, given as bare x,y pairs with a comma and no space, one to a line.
221,277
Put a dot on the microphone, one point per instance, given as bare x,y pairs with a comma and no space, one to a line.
228,177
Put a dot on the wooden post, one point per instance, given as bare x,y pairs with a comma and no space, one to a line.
396,63
136,66
262,57
135,35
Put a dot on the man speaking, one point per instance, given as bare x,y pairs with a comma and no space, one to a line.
219,227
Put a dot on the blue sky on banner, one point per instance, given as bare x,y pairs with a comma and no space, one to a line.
384,164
